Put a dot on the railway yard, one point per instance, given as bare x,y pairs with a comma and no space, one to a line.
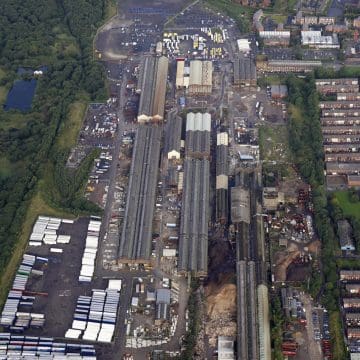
192,173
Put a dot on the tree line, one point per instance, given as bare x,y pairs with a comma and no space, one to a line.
30,32
305,140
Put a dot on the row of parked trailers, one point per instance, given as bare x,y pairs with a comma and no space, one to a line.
45,231
11,317
95,316
91,248
33,347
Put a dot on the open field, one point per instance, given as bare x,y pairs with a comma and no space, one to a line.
284,6
72,125
273,143
348,208
111,9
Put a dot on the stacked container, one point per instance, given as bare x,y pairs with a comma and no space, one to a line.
95,316
46,230
33,347
11,318
89,256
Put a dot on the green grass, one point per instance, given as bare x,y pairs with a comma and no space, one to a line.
284,6
111,9
348,208
70,128
5,167
337,337
3,93
37,207
13,119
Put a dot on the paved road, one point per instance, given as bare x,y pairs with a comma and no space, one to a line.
313,346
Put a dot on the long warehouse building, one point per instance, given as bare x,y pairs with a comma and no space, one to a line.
136,236
152,84
193,240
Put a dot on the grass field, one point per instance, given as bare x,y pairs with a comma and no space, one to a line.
337,337
284,6
348,208
70,129
14,120
111,9
37,207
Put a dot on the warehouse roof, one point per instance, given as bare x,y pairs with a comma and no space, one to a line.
198,122
136,236
163,296
173,133
152,80
193,240
240,205
226,348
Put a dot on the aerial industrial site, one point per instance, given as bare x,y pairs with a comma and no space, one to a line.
208,243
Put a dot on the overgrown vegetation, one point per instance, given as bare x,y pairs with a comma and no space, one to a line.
306,143
277,323
194,321
57,34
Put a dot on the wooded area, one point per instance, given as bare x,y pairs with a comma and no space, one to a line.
56,34
305,140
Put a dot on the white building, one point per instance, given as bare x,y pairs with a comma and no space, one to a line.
315,39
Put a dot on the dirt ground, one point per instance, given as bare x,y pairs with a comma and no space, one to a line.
221,312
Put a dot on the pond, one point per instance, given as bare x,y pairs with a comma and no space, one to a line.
21,95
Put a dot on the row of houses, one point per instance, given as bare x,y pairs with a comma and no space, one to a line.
340,125
350,280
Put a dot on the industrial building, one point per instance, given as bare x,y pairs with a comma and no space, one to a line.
222,181
173,137
193,235
278,92
198,127
200,80
243,45
278,38
136,236
226,348
247,341
288,65
245,71
240,205
193,239
315,39
152,87
180,66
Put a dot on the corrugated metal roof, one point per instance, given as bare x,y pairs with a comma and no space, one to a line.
222,139
163,296
190,121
